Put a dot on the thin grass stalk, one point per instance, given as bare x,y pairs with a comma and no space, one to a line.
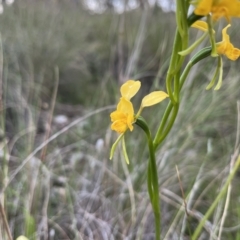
44,210
138,46
218,198
4,178
131,191
190,198
5,222
120,46
215,220
52,107
224,215
44,222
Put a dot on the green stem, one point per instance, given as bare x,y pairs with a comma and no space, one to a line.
172,65
163,131
180,17
161,134
149,177
153,187
180,43
169,126
212,36
176,86
168,110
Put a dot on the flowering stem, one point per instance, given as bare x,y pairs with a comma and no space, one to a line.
152,178
163,130
180,16
173,64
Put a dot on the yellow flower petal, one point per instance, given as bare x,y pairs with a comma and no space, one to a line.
218,8
225,36
233,8
125,106
130,120
201,25
130,88
153,98
233,53
204,7
226,8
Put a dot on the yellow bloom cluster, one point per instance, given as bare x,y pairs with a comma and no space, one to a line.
225,47
123,118
218,8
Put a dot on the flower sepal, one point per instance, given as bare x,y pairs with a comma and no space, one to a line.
218,73
113,148
124,149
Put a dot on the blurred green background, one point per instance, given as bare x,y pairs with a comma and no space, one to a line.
61,67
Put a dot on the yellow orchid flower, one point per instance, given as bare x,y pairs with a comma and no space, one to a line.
123,117
225,47
218,8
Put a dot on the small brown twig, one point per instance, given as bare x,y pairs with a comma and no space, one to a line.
5,222
44,150
183,195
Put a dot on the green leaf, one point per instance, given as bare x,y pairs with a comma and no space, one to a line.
30,226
